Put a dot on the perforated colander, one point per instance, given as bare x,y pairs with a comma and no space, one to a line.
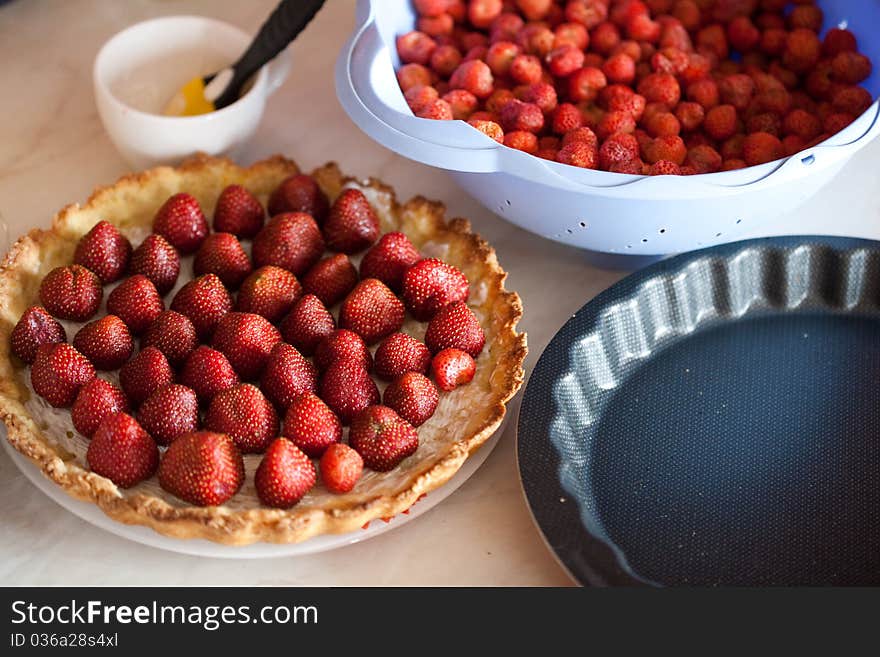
596,210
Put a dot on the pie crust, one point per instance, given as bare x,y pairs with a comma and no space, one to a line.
464,420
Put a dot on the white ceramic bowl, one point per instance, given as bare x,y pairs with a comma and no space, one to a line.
596,210
140,68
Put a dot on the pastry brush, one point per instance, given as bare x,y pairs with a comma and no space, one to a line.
217,90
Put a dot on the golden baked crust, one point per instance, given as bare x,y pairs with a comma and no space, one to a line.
464,420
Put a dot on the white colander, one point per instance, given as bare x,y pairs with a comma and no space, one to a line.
596,210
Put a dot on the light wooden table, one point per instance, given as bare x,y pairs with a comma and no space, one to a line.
53,151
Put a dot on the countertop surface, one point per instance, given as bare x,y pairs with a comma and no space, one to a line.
53,151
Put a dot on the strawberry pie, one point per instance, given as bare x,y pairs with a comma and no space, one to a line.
254,354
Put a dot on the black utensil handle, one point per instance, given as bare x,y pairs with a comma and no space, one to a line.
288,19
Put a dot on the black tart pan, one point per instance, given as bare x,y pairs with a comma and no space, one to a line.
714,420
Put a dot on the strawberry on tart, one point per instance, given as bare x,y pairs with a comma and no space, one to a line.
254,354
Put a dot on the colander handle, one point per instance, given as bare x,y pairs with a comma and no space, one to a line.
832,152
367,89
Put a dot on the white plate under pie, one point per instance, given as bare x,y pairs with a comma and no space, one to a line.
203,548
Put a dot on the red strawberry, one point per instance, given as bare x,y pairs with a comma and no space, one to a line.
307,324
71,292
382,438
136,302
170,411
222,254
58,372
181,221
284,475
122,451
400,353
156,259
246,340
106,342
413,397
105,251
203,468
352,224
270,291
343,344
456,326
96,400
431,284
173,334
35,327
245,415
452,368
291,241
299,193
208,372
287,375
389,259
341,467
331,279
144,374
311,425
346,387
238,212
204,300
372,311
